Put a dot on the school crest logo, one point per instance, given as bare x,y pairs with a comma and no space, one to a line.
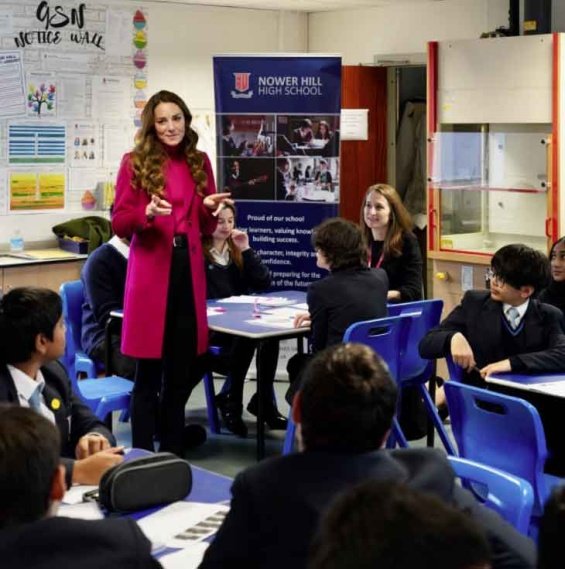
241,84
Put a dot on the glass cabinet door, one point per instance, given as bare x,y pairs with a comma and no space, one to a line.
492,185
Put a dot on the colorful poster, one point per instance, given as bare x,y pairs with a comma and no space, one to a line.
84,144
278,135
32,191
42,95
33,143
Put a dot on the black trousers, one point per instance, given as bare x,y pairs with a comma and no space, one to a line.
236,359
162,386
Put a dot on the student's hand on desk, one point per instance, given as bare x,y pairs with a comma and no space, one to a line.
393,295
89,470
461,352
216,202
90,444
302,319
240,239
158,206
497,367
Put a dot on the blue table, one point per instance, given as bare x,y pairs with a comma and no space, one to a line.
233,319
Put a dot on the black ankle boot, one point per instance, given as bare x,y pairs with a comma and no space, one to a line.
231,415
273,418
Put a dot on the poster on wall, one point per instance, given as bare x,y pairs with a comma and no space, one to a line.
36,143
12,95
278,133
32,191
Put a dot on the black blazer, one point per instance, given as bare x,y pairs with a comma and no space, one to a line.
65,542
276,505
479,319
404,272
73,418
342,298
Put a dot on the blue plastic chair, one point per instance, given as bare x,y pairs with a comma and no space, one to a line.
508,495
387,337
105,394
75,359
503,432
414,370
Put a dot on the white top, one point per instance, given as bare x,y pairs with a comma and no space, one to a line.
26,386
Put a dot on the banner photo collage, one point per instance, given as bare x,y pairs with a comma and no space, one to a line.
278,147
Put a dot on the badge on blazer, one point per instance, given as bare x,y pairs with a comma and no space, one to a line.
55,404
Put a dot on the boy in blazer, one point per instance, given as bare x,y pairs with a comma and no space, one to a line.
32,338
343,414
503,329
32,483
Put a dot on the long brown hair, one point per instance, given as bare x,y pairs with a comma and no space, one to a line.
399,223
235,253
149,155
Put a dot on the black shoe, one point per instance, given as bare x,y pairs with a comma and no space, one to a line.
231,415
273,418
193,436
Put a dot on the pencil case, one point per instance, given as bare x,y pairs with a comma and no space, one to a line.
145,482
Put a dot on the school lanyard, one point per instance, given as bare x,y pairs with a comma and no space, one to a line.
379,262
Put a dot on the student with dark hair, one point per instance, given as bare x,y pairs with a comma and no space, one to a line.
303,134
103,278
503,329
32,338
343,415
352,292
551,554
233,268
32,483
554,293
389,526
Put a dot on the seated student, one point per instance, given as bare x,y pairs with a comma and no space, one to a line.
503,329
233,268
104,280
389,526
554,293
551,554
343,415
32,338
32,483
352,292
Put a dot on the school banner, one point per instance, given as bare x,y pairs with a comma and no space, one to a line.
277,121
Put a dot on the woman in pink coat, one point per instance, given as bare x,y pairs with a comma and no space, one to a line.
165,199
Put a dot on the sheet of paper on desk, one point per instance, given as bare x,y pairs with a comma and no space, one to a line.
556,388
74,494
183,523
302,306
82,511
188,558
262,300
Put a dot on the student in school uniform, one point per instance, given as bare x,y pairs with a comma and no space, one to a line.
32,338
352,292
233,268
554,293
505,330
32,484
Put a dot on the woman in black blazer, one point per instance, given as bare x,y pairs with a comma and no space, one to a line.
387,227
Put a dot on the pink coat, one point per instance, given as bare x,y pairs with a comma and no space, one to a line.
149,263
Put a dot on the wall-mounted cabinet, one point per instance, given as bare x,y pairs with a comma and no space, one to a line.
494,158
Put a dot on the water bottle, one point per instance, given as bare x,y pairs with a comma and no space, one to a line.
16,242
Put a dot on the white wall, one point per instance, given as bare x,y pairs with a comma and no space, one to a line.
360,34
183,39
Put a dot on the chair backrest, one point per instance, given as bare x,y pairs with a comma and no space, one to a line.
508,495
500,431
386,336
455,372
72,296
425,314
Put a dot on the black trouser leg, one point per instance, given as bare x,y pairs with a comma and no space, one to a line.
145,402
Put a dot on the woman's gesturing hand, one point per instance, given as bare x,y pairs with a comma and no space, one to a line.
216,202
158,206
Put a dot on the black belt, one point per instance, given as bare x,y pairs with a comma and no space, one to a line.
180,241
